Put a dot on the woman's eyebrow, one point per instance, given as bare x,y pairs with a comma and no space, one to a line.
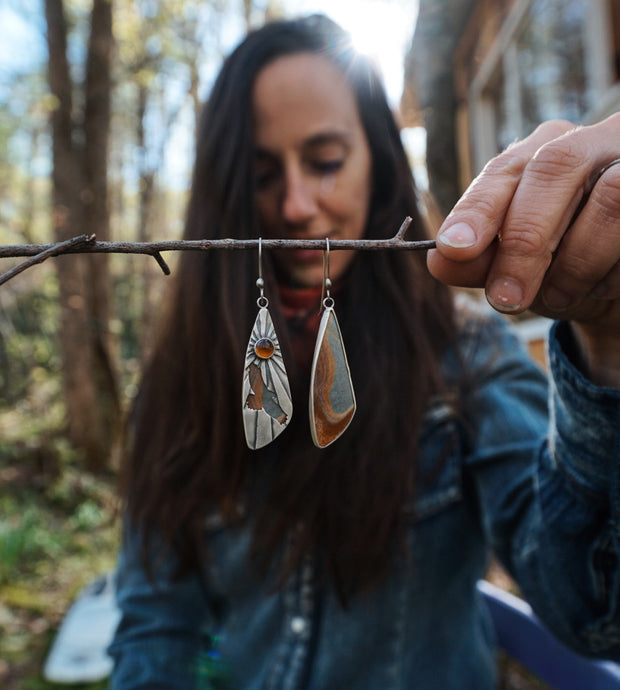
336,136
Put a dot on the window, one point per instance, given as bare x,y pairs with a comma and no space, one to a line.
548,64
548,59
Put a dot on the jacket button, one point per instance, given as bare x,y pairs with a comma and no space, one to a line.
298,625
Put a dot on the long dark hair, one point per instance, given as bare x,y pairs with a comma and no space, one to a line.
187,453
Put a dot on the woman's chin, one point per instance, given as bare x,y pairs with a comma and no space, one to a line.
304,272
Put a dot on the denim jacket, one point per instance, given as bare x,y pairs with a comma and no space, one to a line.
536,480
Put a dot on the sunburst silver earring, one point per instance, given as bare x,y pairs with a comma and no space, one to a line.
332,400
266,396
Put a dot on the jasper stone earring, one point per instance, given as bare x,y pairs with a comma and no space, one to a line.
332,400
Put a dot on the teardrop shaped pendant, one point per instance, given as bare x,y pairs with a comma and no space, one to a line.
267,404
332,400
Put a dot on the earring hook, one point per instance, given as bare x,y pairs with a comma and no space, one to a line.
326,299
262,301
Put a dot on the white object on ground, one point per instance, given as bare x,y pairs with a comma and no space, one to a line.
79,652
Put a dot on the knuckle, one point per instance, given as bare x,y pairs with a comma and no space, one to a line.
525,241
613,121
556,159
554,128
484,195
606,194
507,165
578,269
482,203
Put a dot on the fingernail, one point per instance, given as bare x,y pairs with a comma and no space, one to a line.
459,235
556,299
505,294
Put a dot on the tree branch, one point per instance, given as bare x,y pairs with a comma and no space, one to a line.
45,252
86,244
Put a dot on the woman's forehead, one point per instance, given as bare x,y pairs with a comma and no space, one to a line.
304,94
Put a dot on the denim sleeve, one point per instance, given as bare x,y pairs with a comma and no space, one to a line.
544,464
161,640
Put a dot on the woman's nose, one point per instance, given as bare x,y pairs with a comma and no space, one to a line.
299,204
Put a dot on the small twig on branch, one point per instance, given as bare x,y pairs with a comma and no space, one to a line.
85,244
404,226
45,253
162,263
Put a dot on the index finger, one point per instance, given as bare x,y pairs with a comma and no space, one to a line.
483,214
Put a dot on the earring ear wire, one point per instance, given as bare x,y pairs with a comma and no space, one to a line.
327,283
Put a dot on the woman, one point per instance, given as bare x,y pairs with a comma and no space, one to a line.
355,566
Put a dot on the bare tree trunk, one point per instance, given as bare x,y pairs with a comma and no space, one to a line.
248,6
193,92
78,191
96,215
147,194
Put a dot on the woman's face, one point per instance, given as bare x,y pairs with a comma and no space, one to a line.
313,162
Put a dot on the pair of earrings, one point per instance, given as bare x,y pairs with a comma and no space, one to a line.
266,396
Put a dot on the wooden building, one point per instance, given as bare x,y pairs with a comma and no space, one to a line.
483,73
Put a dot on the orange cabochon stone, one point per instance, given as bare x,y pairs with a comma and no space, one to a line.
266,394
264,348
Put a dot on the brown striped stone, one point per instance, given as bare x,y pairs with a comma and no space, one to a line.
332,403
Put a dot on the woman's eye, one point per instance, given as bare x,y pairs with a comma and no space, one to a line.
265,178
327,167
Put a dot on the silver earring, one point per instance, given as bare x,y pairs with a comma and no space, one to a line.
332,400
266,396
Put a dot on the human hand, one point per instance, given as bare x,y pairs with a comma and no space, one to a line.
557,221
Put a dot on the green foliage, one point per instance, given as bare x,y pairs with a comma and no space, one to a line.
58,531
58,525
16,540
29,355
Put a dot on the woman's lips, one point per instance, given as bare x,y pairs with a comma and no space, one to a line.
308,256
305,256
